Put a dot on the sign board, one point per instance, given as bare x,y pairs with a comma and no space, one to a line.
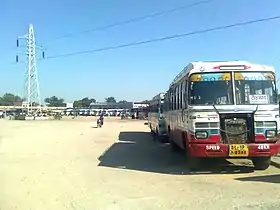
258,99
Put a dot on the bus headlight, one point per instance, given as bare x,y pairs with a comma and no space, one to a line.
270,133
201,135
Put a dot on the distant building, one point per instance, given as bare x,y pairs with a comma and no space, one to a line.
111,105
69,105
124,105
24,104
19,103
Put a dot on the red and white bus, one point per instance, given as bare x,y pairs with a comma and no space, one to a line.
156,119
224,109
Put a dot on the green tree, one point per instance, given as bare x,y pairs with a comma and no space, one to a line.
78,104
83,103
55,102
110,99
9,99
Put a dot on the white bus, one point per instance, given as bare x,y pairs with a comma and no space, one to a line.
156,120
224,109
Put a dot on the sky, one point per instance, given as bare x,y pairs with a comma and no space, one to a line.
133,73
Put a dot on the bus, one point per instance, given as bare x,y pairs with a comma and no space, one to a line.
225,109
156,120
140,110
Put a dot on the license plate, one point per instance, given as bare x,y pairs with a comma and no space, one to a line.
238,150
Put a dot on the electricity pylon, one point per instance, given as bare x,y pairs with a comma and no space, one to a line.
32,88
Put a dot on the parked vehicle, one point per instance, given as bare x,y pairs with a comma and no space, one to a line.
156,118
224,109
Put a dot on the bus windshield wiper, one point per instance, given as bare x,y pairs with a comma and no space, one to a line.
217,111
256,109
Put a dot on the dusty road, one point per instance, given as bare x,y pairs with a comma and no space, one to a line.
59,165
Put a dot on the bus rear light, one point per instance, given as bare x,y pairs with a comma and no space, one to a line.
240,67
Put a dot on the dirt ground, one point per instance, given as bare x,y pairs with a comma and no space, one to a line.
70,164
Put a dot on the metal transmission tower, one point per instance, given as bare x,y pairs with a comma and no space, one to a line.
32,88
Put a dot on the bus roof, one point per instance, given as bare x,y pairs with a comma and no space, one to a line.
158,99
216,66
159,96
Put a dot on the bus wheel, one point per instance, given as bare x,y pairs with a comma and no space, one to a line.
164,139
174,146
261,163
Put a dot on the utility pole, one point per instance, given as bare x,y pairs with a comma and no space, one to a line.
32,88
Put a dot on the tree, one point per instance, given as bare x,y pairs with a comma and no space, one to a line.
55,101
9,99
83,103
110,99
78,104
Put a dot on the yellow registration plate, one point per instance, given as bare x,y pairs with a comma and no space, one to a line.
238,150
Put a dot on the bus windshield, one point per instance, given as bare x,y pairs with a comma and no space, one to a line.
210,88
255,88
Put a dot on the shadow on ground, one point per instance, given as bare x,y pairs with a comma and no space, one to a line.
266,178
139,151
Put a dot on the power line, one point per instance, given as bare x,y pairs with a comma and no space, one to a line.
166,38
4,53
137,19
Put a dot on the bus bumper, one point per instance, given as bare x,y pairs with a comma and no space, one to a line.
227,151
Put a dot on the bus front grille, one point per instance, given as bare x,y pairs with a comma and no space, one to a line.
236,129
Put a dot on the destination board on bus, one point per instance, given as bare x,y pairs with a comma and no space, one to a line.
259,76
210,77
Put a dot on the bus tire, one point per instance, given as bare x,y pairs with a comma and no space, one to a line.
261,163
164,139
174,146
184,142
